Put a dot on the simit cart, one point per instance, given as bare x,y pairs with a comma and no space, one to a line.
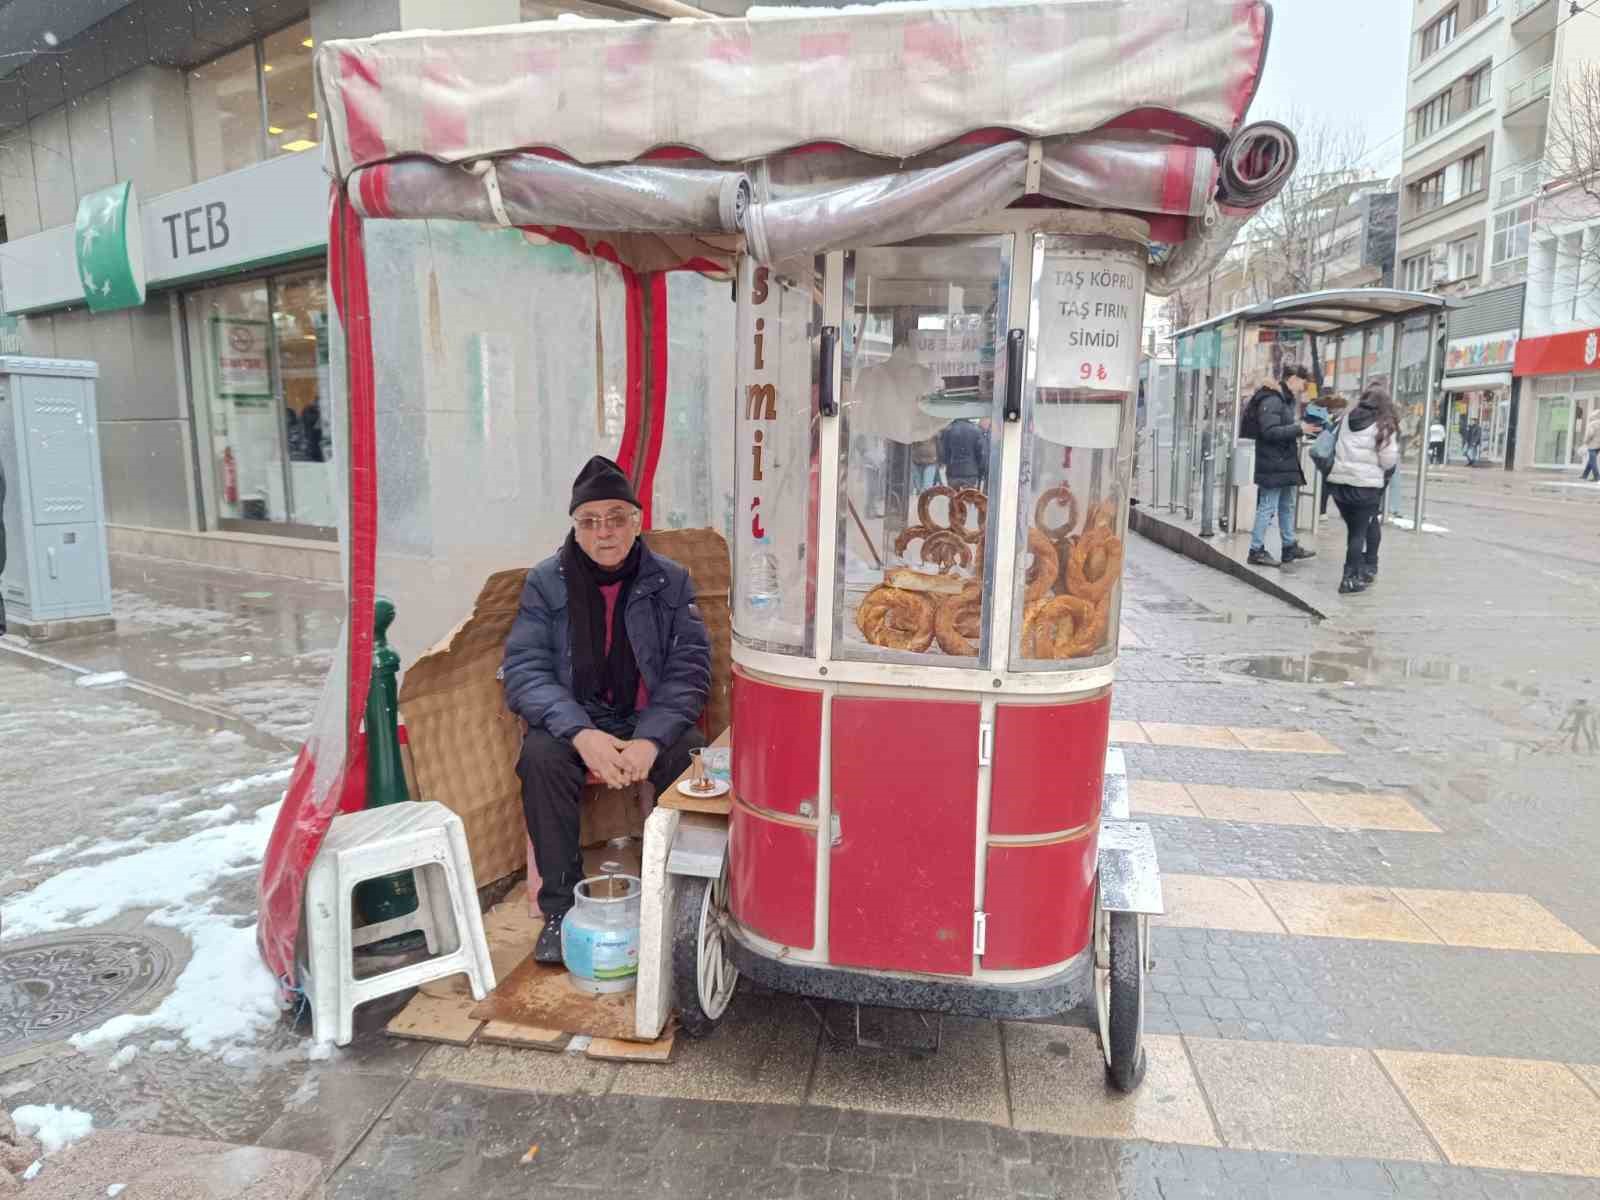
863,290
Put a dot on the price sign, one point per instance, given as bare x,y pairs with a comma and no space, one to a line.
1091,307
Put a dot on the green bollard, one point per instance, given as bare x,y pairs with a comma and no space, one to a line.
394,895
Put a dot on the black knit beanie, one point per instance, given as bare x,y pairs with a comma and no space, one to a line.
601,479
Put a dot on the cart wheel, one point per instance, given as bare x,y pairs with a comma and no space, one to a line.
1119,995
703,976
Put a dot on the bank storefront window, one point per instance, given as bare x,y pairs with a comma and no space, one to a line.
254,103
225,113
292,118
258,353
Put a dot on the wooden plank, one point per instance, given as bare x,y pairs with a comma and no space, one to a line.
526,1037
614,1050
435,1019
542,996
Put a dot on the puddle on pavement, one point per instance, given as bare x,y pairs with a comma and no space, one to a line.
1331,666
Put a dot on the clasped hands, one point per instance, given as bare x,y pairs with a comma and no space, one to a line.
618,763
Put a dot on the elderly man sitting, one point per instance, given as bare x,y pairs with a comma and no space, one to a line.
609,663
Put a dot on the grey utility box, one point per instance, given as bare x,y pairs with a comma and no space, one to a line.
57,578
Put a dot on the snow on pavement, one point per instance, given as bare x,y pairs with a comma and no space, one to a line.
224,995
55,1126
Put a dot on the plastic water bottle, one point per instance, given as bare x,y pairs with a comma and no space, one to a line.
761,593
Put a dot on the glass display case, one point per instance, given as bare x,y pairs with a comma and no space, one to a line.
922,333
1077,446
935,440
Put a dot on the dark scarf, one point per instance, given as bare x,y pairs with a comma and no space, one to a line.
607,685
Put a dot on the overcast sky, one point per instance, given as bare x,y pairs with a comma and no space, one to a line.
1345,59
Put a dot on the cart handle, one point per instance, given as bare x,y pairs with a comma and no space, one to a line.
1016,343
827,403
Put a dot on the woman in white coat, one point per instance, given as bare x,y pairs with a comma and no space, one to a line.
1365,451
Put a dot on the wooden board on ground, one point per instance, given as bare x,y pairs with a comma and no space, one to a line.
613,1050
525,1037
541,995
435,1019
720,805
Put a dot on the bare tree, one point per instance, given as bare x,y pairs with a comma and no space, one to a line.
1571,190
1291,237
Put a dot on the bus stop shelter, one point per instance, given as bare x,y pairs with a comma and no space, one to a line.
1351,339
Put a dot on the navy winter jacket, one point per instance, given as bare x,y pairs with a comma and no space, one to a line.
664,628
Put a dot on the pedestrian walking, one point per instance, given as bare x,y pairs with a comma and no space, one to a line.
1591,443
1365,453
1436,442
1473,444
1272,418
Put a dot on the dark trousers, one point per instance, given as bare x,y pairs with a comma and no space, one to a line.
553,775
1363,531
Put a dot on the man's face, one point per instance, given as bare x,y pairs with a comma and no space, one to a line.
606,530
1297,386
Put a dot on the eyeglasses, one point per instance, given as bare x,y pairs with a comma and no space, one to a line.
612,521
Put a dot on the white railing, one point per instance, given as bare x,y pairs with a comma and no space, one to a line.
1534,87
1516,182
1524,7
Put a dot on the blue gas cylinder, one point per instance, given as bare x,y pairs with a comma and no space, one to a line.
600,937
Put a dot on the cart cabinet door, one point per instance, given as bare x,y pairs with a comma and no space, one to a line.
1038,898
777,757
1049,766
772,877
905,783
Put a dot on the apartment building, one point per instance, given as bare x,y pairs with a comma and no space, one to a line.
1483,77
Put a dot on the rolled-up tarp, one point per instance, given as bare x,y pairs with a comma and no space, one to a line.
887,208
532,189
1131,174
1255,166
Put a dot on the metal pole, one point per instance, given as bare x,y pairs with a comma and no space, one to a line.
1208,471
1387,502
1422,431
1231,487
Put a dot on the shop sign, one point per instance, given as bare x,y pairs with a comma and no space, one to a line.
1091,305
1559,354
243,370
1486,351
109,242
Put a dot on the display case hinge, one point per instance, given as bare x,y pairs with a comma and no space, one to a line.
980,932
985,744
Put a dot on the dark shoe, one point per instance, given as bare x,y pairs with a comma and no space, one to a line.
1260,558
1352,583
1369,573
548,948
1295,551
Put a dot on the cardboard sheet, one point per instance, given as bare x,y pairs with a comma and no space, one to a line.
464,741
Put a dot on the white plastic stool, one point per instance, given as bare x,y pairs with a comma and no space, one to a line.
420,836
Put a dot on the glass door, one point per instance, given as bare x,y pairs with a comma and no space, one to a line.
919,444
1552,443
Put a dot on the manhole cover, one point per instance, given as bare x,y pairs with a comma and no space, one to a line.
55,987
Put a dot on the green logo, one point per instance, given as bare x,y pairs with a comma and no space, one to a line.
110,245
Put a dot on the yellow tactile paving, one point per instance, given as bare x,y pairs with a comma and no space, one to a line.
1366,810
1129,733
1216,902
1191,737
1265,806
1058,1086
1342,911
1299,1099
1502,1113
1482,920
1284,741
1161,797
1493,921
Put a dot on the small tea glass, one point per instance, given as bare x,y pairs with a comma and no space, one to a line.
699,781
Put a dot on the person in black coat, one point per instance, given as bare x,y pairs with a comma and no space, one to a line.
1275,414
